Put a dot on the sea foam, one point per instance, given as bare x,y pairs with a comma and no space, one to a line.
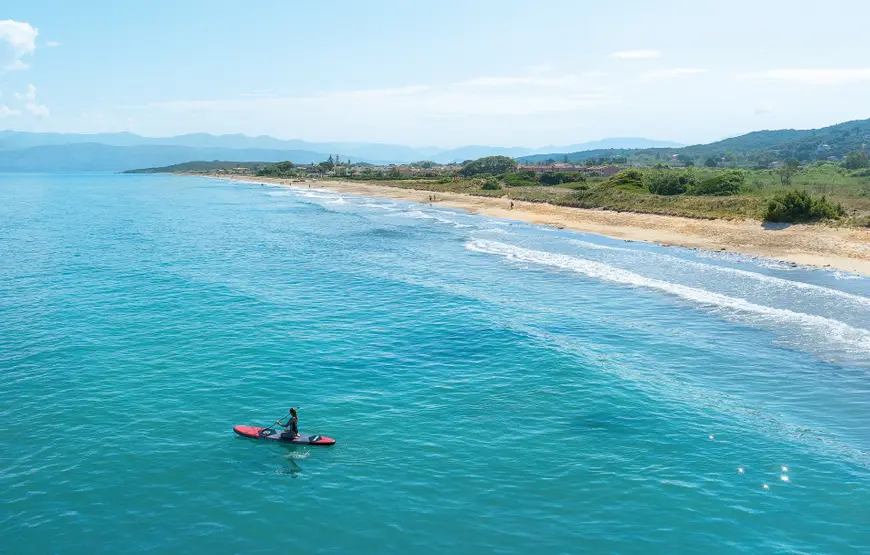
805,330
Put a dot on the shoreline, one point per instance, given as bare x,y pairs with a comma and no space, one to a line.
846,249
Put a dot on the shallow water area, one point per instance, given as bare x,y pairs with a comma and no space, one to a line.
494,386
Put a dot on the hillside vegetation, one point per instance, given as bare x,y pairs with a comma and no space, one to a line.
752,150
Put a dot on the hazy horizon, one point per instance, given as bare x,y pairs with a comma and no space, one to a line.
340,141
443,75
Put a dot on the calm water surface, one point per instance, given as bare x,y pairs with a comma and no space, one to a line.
494,387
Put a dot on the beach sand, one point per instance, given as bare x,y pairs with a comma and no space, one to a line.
845,249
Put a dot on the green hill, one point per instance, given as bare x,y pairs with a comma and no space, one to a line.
751,149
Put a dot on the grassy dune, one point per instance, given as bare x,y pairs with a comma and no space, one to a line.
850,189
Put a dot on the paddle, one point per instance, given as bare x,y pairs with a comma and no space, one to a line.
269,429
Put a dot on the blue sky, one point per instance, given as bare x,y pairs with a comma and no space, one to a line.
443,73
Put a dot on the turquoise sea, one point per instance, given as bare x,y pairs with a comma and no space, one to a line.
494,387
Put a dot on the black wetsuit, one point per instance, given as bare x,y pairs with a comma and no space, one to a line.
292,426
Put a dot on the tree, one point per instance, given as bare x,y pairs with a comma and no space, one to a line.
787,171
685,159
550,178
856,160
711,162
491,165
281,169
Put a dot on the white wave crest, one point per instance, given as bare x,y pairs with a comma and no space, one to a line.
855,340
420,215
789,284
390,207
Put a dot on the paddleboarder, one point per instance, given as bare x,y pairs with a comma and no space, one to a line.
291,428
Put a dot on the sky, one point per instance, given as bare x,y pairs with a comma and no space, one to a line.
434,73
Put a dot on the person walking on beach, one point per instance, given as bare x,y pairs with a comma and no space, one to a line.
512,205
291,428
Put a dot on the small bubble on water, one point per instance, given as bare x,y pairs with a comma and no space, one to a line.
711,436
765,486
784,478
785,469
740,469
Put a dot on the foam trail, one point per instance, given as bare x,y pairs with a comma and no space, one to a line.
767,280
420,215
856,340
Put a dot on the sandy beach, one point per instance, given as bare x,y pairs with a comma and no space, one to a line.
846,249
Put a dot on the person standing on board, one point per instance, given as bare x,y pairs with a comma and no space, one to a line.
291,428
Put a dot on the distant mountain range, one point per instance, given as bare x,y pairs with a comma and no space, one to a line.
56,152
87,157
756,147
23,151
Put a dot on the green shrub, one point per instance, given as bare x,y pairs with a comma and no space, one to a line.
520,179
627,179
720,184
491,185
800,206
577,186
668,182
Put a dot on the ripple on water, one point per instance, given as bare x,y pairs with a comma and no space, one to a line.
618,399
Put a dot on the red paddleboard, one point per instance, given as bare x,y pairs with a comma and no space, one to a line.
275,435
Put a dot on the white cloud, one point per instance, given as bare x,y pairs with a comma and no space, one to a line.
384,93
812,76
636,54
17,39
17,65
31,104
541,68
6,111
674,72
482,96
565,81
498,81
52,44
